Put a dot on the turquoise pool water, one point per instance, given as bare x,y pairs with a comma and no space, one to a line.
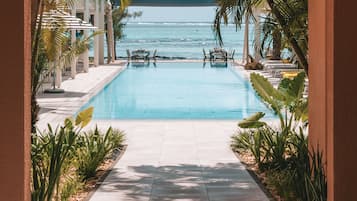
177,91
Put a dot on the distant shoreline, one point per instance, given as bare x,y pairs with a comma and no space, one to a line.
176,23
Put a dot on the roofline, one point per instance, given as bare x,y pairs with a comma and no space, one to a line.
171,3
174,4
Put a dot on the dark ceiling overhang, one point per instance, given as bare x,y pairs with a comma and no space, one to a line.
176,3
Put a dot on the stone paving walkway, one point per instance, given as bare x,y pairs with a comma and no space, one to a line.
178,160
165,160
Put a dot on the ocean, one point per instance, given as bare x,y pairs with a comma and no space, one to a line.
180,39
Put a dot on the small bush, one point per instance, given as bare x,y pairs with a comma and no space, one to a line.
51,154
94,147
251,140
283,154
57,153
292,169
70,187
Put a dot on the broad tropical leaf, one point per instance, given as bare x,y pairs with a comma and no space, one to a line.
266,91
84,117
253,121
294,87
302,111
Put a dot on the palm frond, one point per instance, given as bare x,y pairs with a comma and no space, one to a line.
234,10
79,47
52,40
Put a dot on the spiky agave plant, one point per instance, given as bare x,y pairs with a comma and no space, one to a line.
94,147
50,151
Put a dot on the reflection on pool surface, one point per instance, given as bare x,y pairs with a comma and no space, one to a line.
177,91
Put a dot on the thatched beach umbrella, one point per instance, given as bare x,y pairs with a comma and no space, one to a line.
55,18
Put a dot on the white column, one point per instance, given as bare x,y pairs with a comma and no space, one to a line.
257,34
58,77
101,37
58,68
246,40
108,11
73,40
86,34
96,38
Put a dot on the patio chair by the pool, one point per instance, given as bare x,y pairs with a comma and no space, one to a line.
154,54
218,54
205,56
231,54
140,54
128,54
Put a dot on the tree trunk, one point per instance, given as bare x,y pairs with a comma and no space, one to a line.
36,32
246,41
110,37
37,8
257,34
108,45
276,45
115,49
299,53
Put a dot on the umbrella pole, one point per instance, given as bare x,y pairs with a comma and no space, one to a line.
54,89
54,76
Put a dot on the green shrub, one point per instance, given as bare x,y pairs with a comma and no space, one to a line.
252,140
296,172
94,147
286,101
70,187
51,153
283,154
307,171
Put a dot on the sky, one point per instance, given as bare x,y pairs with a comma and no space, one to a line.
174,14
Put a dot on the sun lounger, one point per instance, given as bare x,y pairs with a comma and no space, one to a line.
280,65
288,72
268,61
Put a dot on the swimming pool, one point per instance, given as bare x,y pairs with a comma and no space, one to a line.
177,91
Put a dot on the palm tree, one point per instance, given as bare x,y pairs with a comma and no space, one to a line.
59,52
114,25
39,60
291,15
119,15
110,33
272,36
50,47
